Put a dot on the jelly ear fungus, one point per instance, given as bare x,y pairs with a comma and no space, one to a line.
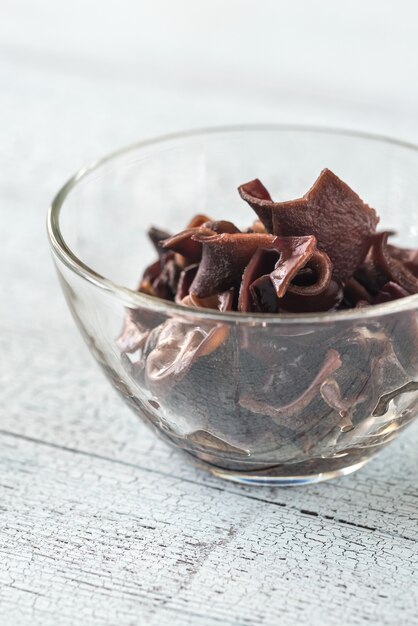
291,393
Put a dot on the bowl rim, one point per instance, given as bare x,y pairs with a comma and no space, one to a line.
135,299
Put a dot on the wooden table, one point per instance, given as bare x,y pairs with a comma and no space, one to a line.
101,523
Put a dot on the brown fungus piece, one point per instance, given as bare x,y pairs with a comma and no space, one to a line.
261,264
157,235
179,344
138,324
150,274
331,393
355,292
288,414
408,257
165,285
218,334
389,267
198,220
176,347
222,226
221,301
341,222
318,279
295,253
289,276
183,243
327,300
185,280
224,257
211,302
373,372
259,200
133,335
161,277
226,300
208,442
263,296
389,292
388,379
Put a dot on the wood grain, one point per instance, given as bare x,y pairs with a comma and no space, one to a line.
103,542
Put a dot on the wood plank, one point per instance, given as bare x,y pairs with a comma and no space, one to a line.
85,540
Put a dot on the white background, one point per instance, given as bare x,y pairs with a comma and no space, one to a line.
79,79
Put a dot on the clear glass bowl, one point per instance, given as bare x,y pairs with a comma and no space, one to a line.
275,399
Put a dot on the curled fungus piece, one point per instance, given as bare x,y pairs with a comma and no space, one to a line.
259,200
198,220
387,264
224,257
329,299
284,414
221,226
221,301
374,369
185,280
188,243
329,211
151,273
389,292
133,335
408,257
157,235
261,264
315,281
138,324
331,393
389,267
289,276
355,292
160,278
218,334
183,243
295,253
178,344
388,379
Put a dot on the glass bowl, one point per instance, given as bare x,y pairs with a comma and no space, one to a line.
254,398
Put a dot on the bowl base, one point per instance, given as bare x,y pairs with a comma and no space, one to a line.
279,475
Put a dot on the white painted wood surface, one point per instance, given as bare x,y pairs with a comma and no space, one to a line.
101,523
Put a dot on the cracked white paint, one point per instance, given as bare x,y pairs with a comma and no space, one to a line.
96,541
